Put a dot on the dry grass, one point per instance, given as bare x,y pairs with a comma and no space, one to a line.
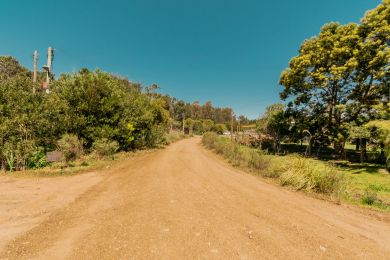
293,171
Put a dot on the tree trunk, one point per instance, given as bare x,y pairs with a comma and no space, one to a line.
363,153
382,156
344,153
357,144
308,149
364,149
318,150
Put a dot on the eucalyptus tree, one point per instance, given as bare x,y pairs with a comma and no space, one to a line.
318,80
371,76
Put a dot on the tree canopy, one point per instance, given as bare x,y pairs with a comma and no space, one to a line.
339,80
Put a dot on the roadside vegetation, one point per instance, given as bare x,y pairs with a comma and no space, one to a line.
295,171
332,133
89,112
337,94
367,186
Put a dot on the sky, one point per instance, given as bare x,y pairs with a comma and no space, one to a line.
230,52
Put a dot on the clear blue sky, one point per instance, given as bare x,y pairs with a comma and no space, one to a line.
228,51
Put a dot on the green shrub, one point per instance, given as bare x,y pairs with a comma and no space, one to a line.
8,151
104,147
17,152
70,146
37,159
219,128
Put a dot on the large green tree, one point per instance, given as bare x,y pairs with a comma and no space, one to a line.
371,87
318,79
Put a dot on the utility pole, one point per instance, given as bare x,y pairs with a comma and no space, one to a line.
183,125
231,126
48,68
35,69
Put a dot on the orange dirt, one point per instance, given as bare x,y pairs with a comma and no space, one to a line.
179,203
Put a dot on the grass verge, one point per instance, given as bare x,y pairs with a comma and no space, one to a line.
86,163
367,186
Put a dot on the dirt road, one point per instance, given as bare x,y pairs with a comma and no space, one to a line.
184,203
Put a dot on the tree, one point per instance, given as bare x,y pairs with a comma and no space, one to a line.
381,130
274,123
10,67
189,124
207,125
371,74
207,111
219,128
318,79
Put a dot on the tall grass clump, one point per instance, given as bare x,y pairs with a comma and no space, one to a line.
311,176
294,171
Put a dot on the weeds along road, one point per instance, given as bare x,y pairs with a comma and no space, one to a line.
185,203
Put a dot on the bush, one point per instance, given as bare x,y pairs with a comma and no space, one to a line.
70,146
37,159
219,128
104,147
16,153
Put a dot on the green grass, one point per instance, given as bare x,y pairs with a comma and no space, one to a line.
366,182
329,153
